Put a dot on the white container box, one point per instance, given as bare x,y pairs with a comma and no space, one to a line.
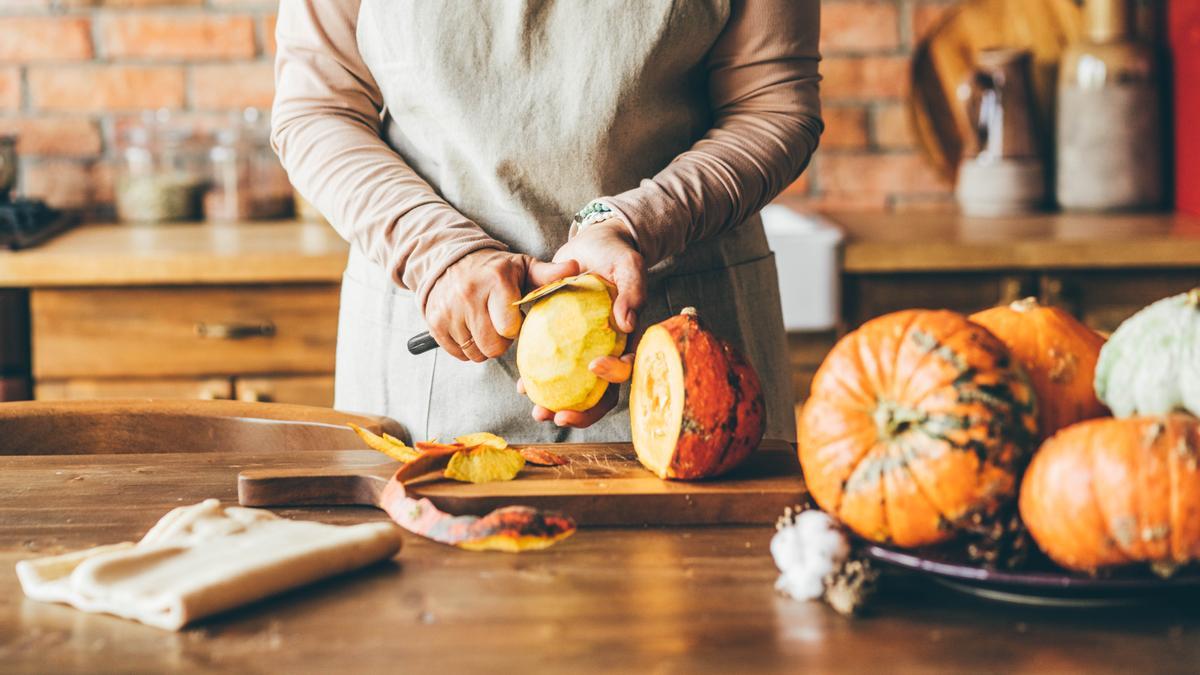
807,250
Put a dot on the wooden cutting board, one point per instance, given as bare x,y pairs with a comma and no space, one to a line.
603,484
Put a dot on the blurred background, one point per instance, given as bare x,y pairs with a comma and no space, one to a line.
975,152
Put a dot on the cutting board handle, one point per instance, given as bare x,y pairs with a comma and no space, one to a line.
309,487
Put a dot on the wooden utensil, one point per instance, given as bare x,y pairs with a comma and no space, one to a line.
603,484
946,57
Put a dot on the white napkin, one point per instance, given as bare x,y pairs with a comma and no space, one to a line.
203,559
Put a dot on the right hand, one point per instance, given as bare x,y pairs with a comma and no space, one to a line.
469,309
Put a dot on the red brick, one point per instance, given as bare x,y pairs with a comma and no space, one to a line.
30,39
906,173
856,26
244,85
145,35
58,136
864,77
106,87
62,183
891,127
268,34
926,15
845,127
10,88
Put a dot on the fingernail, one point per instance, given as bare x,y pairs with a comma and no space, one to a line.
631,319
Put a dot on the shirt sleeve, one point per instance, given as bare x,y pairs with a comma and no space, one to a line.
763,87
326,123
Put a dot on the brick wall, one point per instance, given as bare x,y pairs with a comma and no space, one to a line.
74,72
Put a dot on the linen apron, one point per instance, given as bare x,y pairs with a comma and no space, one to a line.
519,112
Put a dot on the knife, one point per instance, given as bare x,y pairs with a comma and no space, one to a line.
421,343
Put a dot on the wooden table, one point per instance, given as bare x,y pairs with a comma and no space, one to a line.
671,601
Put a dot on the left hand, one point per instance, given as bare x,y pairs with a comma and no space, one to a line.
608,249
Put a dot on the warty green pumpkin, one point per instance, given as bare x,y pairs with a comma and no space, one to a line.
1151,364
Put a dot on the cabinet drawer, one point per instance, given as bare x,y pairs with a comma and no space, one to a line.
315,390
77,389
869,296
149,332
1104,299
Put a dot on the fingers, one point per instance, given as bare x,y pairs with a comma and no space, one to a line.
540,273
586,418
612,369
447,343
629,275
462,336
506,319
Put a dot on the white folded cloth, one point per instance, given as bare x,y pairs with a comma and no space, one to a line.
203,559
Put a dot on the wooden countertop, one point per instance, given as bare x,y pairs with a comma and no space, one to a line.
287,252
687,600
179,254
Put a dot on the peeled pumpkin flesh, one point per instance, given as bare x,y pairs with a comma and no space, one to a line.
567,326
695,405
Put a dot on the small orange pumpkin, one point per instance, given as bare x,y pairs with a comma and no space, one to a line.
1112,492
917,421
1057,352
695,405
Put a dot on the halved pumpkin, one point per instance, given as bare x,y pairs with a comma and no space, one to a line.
695,405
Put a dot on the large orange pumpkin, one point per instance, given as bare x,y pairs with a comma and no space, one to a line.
695,404
917,422
1057,352
1112,492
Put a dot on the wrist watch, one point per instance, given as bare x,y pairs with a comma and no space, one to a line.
595,212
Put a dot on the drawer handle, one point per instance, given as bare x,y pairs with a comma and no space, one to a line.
235,331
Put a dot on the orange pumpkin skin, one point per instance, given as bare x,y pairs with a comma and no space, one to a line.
916,422
1111,492
723,413
1057,352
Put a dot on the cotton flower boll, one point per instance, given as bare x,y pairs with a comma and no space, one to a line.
807,549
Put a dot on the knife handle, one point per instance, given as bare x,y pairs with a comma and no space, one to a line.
421,343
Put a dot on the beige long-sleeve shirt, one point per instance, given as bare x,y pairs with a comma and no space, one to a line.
330,115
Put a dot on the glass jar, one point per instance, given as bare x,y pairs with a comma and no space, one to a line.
162,172
247,181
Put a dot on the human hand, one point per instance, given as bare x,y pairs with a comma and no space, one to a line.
469,309
608,368
607,248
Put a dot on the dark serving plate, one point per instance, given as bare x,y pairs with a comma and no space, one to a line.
1045,587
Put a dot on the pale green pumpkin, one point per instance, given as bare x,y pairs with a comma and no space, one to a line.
1151,364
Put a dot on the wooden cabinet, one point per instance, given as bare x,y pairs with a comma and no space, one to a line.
1103,299
249,342
306,389
1100,298
83,388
